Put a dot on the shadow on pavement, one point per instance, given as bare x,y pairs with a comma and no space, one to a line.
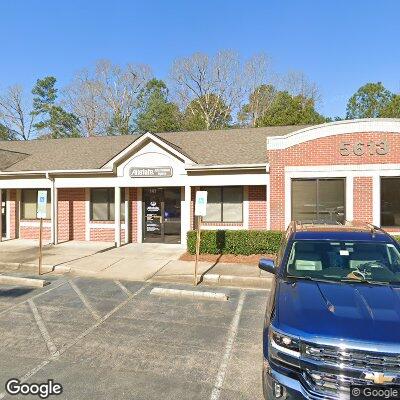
15,292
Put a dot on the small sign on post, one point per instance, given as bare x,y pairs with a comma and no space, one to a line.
200,210
41,213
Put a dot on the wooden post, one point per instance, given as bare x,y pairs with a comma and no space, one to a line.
197,249
40,246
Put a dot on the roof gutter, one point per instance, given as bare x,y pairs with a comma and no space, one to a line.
227,167
46,174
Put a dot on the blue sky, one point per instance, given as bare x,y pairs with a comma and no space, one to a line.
340,44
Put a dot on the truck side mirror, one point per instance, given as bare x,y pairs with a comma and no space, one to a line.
266,264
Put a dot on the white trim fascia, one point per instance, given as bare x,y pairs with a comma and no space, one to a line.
217,167
8,214
185,212
104,225
139,210
246,208
18,206
57,172
376,200
378,125
34,224
358,168
137,143
87,214
349,198
125,224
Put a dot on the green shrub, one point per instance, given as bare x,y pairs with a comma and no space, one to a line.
239,242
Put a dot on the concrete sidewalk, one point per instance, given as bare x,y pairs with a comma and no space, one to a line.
209,273
132,262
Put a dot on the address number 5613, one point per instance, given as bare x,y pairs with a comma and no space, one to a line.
360,148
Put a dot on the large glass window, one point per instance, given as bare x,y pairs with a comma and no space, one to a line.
318,200
224,204
102,204
29,203
390,202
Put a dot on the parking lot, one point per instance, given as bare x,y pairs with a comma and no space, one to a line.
104,339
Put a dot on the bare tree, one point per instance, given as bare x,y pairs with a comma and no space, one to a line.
15,112
297,84
106,99
260,91
119,89
213,85
82,98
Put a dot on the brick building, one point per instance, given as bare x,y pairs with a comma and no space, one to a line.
259,178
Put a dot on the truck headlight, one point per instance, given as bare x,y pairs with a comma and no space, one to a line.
284,343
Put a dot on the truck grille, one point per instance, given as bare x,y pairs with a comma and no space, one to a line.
332,370
379,362
321,381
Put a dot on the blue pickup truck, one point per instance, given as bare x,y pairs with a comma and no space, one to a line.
333,317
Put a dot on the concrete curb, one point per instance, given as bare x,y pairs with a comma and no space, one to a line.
46,268
219,280
18,281
190,293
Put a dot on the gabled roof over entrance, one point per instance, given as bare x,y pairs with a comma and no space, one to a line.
218,147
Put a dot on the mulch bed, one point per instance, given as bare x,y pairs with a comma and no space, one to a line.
227,258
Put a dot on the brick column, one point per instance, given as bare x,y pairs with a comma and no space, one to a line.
362,199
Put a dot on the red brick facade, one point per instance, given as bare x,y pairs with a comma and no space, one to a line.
12,203
71,214
325,151
257,210
362,199
257,207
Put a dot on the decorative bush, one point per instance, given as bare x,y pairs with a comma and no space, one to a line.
239,242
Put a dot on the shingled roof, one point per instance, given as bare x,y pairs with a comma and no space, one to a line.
230,146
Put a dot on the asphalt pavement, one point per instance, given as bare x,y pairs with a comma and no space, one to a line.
107,339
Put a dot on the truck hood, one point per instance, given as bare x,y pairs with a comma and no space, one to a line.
339,311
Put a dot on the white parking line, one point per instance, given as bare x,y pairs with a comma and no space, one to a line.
66,347
33,297
85,301
123,288
42,327
216,392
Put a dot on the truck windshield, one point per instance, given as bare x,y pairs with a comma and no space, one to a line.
344,261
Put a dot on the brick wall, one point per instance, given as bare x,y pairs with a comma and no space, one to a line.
325,151
257,207
257,210
362,199
71,214
133,209
71,219
105,234
108,234
12,204
32,232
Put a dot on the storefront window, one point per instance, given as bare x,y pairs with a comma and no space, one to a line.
318,200
29,203
102,204
224,204
390,202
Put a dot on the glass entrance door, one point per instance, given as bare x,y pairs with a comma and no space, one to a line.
153,224
162,215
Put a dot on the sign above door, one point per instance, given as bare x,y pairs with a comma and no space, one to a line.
150,172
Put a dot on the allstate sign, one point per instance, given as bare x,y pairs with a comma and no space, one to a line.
150,172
